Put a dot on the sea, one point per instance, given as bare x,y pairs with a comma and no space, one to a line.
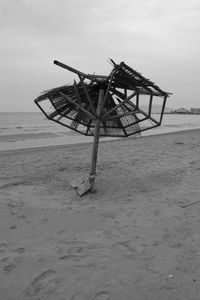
19,130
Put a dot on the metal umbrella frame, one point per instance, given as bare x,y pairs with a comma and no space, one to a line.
103,106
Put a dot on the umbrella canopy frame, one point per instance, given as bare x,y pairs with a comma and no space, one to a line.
101,105
123,85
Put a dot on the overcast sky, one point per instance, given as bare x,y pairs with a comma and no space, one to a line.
160,39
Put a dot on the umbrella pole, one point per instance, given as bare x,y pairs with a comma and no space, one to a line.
96,139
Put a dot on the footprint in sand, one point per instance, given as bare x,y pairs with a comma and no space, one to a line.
8,268
43,284
20,250
103,295
146,252
13,227
3,247
75,253
126,247
9,262
71,250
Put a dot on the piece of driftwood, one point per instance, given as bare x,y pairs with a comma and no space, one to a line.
104,106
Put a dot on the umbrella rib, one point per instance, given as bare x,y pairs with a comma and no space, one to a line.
163,108
120,104
77,105
134,106
140,110
129,112
150,104
76,91
108,88
95,78
118,93
87,94
64,66
128,108
144,113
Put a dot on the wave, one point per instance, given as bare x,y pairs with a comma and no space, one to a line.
25,127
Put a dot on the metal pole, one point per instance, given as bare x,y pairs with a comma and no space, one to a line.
96,138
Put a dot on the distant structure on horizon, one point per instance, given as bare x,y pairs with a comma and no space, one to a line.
183,110
194,110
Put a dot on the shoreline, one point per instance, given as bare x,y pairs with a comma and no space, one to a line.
25,132
107,140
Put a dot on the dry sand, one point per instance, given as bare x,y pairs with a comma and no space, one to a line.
132,239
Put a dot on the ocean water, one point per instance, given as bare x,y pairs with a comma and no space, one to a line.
28,130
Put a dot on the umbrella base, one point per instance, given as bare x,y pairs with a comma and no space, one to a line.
84,185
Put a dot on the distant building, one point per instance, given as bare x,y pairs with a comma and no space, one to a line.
194,110
180,110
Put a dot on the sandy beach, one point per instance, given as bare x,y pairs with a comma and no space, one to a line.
136,238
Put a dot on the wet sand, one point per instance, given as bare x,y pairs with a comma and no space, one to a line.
136,238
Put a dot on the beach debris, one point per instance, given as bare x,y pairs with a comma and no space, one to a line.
179,143
20,250
83,185
189,204
13,226
121,104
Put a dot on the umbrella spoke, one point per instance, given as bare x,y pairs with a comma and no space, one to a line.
120,104
77,105
87,95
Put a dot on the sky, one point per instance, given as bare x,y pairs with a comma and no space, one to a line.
160,39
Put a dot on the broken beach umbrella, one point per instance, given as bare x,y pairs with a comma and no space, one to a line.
121,104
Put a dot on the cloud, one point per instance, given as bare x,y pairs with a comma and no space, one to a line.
155,37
